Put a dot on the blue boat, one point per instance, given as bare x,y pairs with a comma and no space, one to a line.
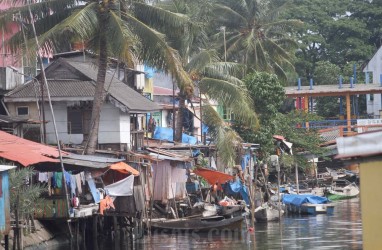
307,204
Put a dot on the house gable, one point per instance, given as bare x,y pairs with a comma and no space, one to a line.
61,70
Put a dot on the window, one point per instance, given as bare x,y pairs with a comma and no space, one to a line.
22,111
227,114
75,125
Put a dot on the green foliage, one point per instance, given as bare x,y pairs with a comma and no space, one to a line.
23,194
255,35
334,30
268,95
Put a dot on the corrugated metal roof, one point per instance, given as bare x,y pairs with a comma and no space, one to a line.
25,152
70,89
127,96
57,88
361,145
92,158
12,119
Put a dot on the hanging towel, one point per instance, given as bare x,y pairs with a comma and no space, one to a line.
58,179
123,187
78,183
92,186
73,185
43,177
67,178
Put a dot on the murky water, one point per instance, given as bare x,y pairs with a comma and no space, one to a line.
342,230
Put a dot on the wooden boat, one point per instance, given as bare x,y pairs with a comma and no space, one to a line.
266,213
198,224
342,189
307,204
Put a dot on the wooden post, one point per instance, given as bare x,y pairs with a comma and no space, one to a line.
348,112
306,108
115,228
6,242
252,190
95,232
297,183
77,225
84,234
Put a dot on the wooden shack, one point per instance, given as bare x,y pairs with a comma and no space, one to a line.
5,217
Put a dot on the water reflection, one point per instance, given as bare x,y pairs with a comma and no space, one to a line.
342,230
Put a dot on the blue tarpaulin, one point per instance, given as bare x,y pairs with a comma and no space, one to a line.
235,187
299,199
166,134
149,72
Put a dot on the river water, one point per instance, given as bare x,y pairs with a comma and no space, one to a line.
342,230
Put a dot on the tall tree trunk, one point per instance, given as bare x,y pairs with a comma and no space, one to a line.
99,89
179,119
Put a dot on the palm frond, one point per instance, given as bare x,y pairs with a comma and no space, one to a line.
156,52
232,96
200,60
226,139
121,40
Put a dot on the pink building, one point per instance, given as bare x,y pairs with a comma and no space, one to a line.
6,57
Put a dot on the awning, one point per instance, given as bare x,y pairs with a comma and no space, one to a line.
213,176
124,168
6,167
26,152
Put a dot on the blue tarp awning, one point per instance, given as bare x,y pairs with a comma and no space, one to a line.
299,199
166,134
235,187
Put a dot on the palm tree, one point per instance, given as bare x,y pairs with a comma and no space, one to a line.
254,36
111,29
220,81
216,80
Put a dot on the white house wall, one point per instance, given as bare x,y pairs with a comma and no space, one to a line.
124,125
114,125
61,117
109,127
375,67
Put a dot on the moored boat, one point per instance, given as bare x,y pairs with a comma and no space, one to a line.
342,189
307,204
198,224
266,213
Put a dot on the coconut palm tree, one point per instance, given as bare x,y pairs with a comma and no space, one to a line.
254,35
215,80
111,29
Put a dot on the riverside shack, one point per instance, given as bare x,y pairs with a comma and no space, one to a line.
366,150
5,221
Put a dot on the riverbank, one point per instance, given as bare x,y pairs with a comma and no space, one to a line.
47,235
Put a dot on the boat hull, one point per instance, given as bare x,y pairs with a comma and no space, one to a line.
267,214
310,209
198,224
